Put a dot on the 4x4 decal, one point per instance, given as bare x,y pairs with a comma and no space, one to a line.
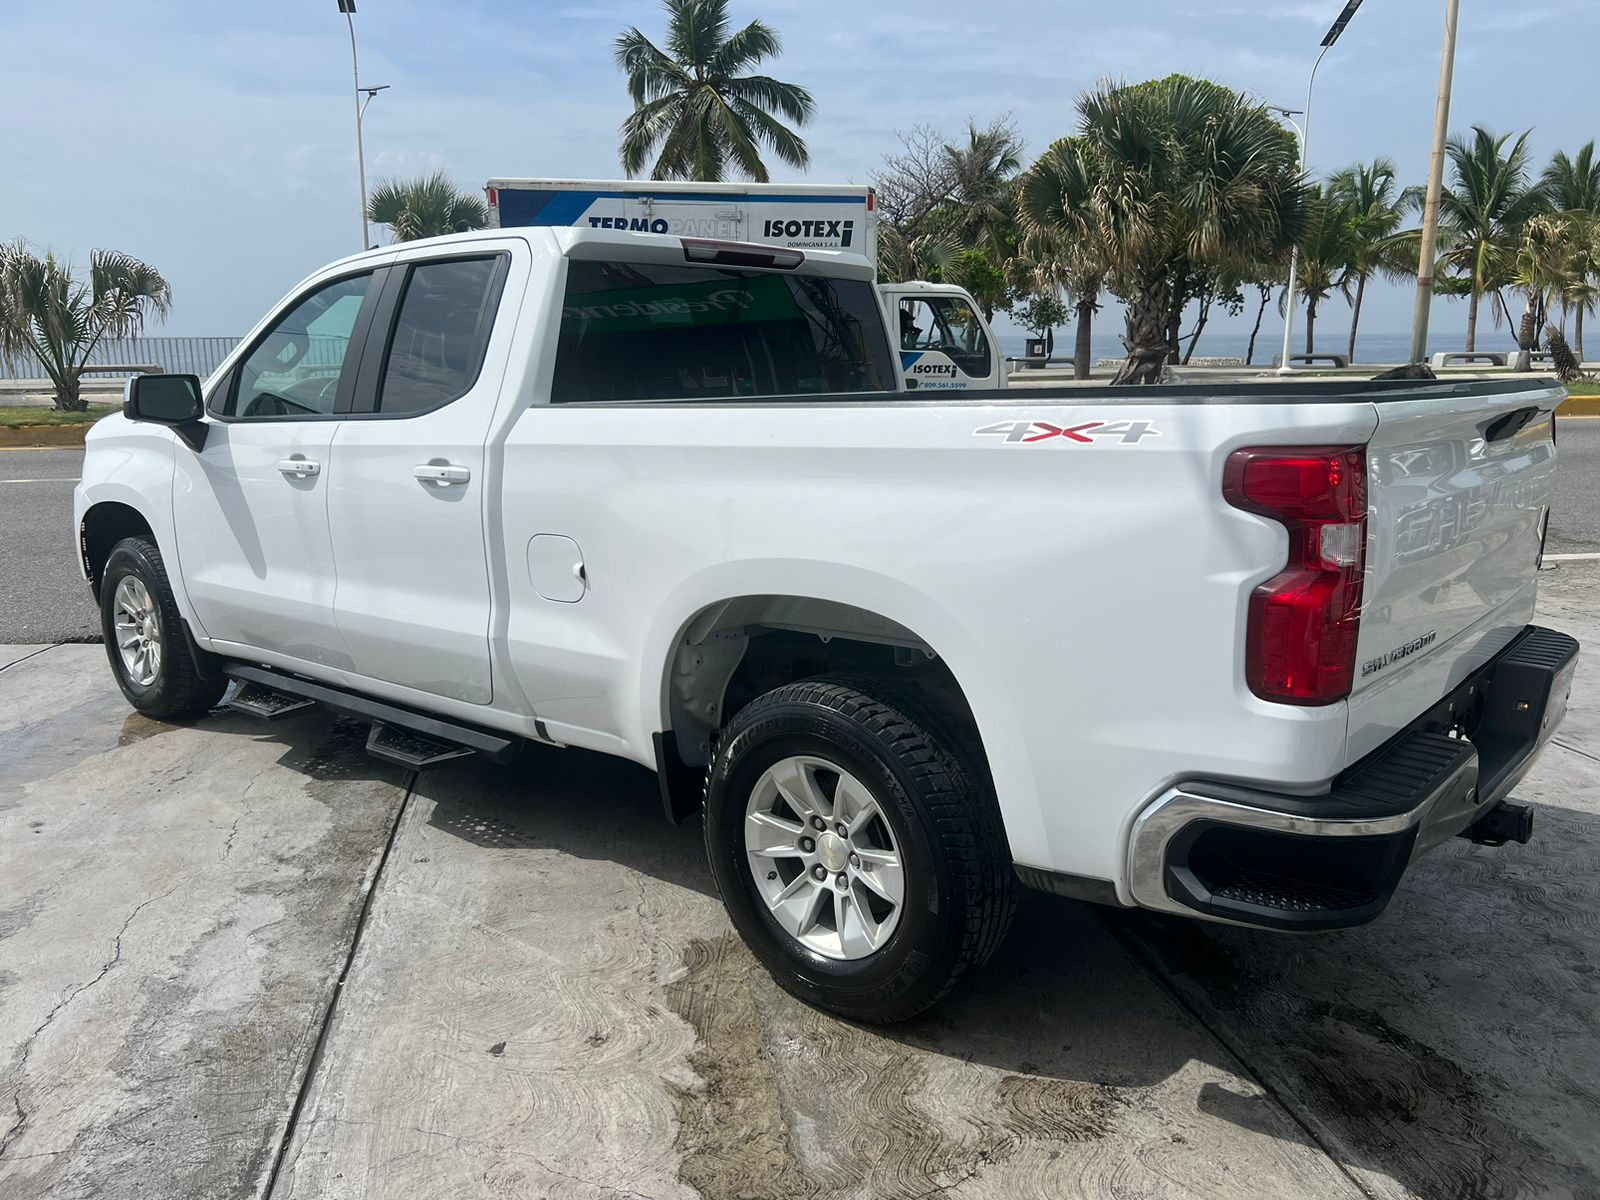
1126,433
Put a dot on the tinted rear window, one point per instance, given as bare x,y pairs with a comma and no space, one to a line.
440,334
641,331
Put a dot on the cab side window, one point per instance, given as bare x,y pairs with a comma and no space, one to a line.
296,367
440,334
949,325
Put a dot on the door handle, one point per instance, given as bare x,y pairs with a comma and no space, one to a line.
443,475
299,468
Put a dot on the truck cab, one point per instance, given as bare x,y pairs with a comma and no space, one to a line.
943,341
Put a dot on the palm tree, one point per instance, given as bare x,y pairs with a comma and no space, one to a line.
429,206
1327,255
981,202
1061,237
1485,211
1572,185
1550,244
693,101
61,320
1188,178
1377,207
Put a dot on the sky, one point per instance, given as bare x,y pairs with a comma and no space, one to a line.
216,140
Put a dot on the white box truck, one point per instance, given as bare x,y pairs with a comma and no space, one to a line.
944,343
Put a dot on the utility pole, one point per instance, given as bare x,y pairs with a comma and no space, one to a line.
1328,40
1430,211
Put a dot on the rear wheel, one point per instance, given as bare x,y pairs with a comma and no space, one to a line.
858,853
145,640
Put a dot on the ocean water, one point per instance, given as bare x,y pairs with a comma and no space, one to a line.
1376,347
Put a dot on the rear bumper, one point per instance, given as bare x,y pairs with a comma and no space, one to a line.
1255,857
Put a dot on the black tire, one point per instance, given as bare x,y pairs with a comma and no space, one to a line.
179,690
960,890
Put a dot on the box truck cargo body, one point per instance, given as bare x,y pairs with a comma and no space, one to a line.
944,342
794,216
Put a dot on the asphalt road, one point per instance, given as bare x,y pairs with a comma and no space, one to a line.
43,600
42,596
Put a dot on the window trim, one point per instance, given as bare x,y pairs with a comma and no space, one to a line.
228,393
375,358
890,354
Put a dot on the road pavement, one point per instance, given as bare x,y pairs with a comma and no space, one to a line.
42,596
242,960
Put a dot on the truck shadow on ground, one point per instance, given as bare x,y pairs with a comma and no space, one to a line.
1449,1048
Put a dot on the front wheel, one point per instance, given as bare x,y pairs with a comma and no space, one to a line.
144,636
859,855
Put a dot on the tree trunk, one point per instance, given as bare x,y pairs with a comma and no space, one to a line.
1080,346
1311,324
1146,339
1577,331
1355,313
1200,320
1527,334
1250,352
1472,321
68,397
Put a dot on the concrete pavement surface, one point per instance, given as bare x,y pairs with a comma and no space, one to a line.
240,959
43,599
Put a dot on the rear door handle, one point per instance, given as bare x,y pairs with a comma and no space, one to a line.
299,468
444,475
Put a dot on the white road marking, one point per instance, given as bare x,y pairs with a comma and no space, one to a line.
1571,557
74,479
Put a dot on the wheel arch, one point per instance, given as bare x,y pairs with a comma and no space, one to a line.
104,524
843,610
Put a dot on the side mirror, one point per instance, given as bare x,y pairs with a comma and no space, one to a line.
173,400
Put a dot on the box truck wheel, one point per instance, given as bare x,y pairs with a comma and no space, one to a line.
859,854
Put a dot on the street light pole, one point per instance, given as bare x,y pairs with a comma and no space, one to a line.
1430,209
348,8
1328,40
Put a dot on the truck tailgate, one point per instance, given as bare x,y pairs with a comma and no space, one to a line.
1459,485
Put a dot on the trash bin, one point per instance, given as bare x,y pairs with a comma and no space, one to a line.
1036,349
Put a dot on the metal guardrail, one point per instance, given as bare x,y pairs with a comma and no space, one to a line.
171,355
180,355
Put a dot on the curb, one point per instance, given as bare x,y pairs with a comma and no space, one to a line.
43,435
1580,406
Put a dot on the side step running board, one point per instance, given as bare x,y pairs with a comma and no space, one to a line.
400,735
254,700
407,749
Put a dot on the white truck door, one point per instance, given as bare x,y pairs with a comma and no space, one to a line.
406,496
943,340
251,508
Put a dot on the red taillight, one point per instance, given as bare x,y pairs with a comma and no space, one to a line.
1300,642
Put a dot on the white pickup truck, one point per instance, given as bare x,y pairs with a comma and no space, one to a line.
1234,652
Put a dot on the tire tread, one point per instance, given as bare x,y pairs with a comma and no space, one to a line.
954,790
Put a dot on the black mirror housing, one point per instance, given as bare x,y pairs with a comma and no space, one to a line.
173,400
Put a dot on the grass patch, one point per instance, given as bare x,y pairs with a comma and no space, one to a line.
1584,387
11,417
